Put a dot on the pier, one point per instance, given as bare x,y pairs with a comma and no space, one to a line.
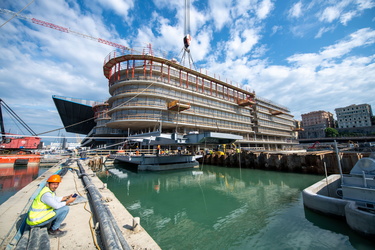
299,162
97,220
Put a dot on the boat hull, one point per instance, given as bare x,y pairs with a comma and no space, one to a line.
322,197
361,221
19,159
158,162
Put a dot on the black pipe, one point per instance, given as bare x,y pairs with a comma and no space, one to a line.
118,232
110,233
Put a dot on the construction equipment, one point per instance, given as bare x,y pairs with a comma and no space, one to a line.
314,145
15,116
176,105
13,142
187,37
66,30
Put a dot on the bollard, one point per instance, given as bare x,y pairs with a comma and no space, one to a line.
136,224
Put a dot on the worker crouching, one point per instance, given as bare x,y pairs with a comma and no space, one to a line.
49,209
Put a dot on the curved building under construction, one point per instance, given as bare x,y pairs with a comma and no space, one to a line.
158,101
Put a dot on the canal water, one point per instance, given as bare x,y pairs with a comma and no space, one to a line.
228,208
14,178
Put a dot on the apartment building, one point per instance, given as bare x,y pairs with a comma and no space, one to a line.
314,124
354,116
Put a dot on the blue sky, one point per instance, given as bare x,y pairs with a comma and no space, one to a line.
305,55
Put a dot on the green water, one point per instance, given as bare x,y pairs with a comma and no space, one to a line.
225,208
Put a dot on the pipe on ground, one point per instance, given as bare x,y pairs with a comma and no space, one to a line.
110,233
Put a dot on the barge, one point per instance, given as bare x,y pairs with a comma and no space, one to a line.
158,162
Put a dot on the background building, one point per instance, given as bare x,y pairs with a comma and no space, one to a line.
354,116
315,123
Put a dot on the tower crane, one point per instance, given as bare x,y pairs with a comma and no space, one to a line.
187,37
66,30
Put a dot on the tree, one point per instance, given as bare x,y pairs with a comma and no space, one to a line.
331,132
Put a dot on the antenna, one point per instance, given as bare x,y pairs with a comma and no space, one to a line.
187,38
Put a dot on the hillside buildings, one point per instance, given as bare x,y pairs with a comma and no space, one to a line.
315,123
353,119
354,116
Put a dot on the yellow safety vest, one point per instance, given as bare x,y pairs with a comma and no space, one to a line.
40,212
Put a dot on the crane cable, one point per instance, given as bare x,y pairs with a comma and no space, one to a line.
77,123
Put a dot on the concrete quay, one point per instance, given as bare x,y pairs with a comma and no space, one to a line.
83,229
300,162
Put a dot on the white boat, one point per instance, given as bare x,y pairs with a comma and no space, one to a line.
351,196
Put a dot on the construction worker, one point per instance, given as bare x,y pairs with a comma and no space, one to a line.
47,208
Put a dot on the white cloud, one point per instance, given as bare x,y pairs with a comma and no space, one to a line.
296,10
359,38
264,9
305,89
320,80
200,46
309,17
198,19
322,31
276,28
329,14
220,12
242,43
365,4
346,17
121,7
161,4
242,7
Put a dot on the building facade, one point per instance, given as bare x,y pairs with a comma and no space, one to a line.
315,123
150,94
354,116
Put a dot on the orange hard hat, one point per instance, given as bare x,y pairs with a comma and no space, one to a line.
54,178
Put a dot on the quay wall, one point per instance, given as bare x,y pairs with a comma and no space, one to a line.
309,162
82,226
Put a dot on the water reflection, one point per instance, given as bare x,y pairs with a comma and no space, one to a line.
14,178
338,225
222,208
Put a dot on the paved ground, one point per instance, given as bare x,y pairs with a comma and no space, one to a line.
79,223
